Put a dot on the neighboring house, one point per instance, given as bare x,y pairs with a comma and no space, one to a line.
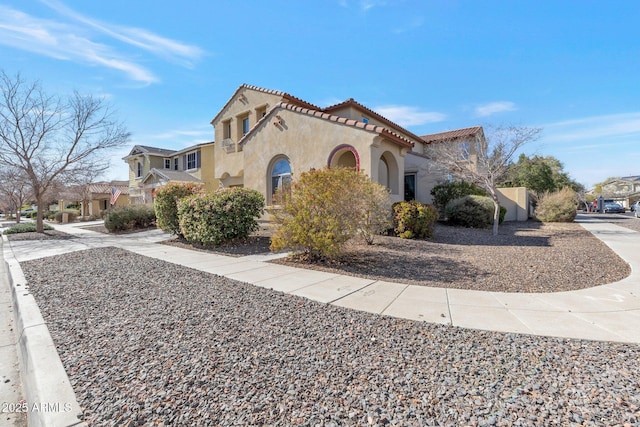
96,197
151,167
624,190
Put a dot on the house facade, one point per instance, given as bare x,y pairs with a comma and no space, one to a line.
624,190
265,138
95,198
151,167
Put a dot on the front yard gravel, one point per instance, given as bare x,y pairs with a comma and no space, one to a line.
146,342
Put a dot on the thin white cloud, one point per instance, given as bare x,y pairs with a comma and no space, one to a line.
163,47
192,134
414,23
494,108
405,115
597,127
73,41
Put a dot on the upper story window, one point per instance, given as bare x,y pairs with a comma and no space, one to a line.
245,125
464,150
226,129
167,163
191,160
261,112
138,169
365,120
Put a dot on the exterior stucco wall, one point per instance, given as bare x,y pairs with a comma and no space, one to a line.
207,171
307,142
229,164
428,175
517,202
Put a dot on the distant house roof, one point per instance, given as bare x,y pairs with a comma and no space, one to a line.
633,178
453,134
105,187
171,175
381,130
144,149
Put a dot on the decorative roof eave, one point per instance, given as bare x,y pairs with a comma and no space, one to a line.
140,150
454,134
353,103
290,98
380,130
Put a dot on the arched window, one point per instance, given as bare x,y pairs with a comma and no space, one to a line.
280,180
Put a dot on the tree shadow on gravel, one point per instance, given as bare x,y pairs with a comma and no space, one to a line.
514,233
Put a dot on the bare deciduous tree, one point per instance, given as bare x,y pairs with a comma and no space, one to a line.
15,189
484,159
51,139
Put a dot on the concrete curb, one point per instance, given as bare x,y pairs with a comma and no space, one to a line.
50,399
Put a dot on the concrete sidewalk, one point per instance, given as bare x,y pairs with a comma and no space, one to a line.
610,312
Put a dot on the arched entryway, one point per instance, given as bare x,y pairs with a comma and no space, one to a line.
278,179
388,172
344,156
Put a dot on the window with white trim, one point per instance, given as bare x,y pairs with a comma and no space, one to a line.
167,163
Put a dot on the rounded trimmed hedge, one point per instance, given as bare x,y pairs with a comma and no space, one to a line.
219,217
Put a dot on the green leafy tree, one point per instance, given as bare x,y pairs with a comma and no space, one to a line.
539,174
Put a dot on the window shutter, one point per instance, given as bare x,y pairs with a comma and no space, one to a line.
184,162
198,159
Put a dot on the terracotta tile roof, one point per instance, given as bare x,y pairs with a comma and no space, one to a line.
381,130
105,187
288,97
353,103
453,134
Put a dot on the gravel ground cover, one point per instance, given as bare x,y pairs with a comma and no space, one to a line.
146,342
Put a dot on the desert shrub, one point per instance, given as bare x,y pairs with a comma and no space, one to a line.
166,204
27,227
559,206
131,217
414,220
73,215
375,209
328,207
219,217
448,191
472,211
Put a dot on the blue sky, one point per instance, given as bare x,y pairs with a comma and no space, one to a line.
569,67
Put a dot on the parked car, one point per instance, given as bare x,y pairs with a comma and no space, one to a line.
27,212
634,206
614,208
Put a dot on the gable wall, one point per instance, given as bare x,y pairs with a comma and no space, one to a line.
307,142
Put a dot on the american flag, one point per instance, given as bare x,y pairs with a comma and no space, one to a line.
115,192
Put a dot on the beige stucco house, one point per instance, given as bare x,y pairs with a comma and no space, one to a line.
95,198
265,138
151,167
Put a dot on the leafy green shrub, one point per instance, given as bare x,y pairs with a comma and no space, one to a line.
472,211
131,217
27,227
414,220
328,207
166,204
559,206
448,191
73,215
219,217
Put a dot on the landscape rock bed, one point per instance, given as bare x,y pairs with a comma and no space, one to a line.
524,257
146,342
